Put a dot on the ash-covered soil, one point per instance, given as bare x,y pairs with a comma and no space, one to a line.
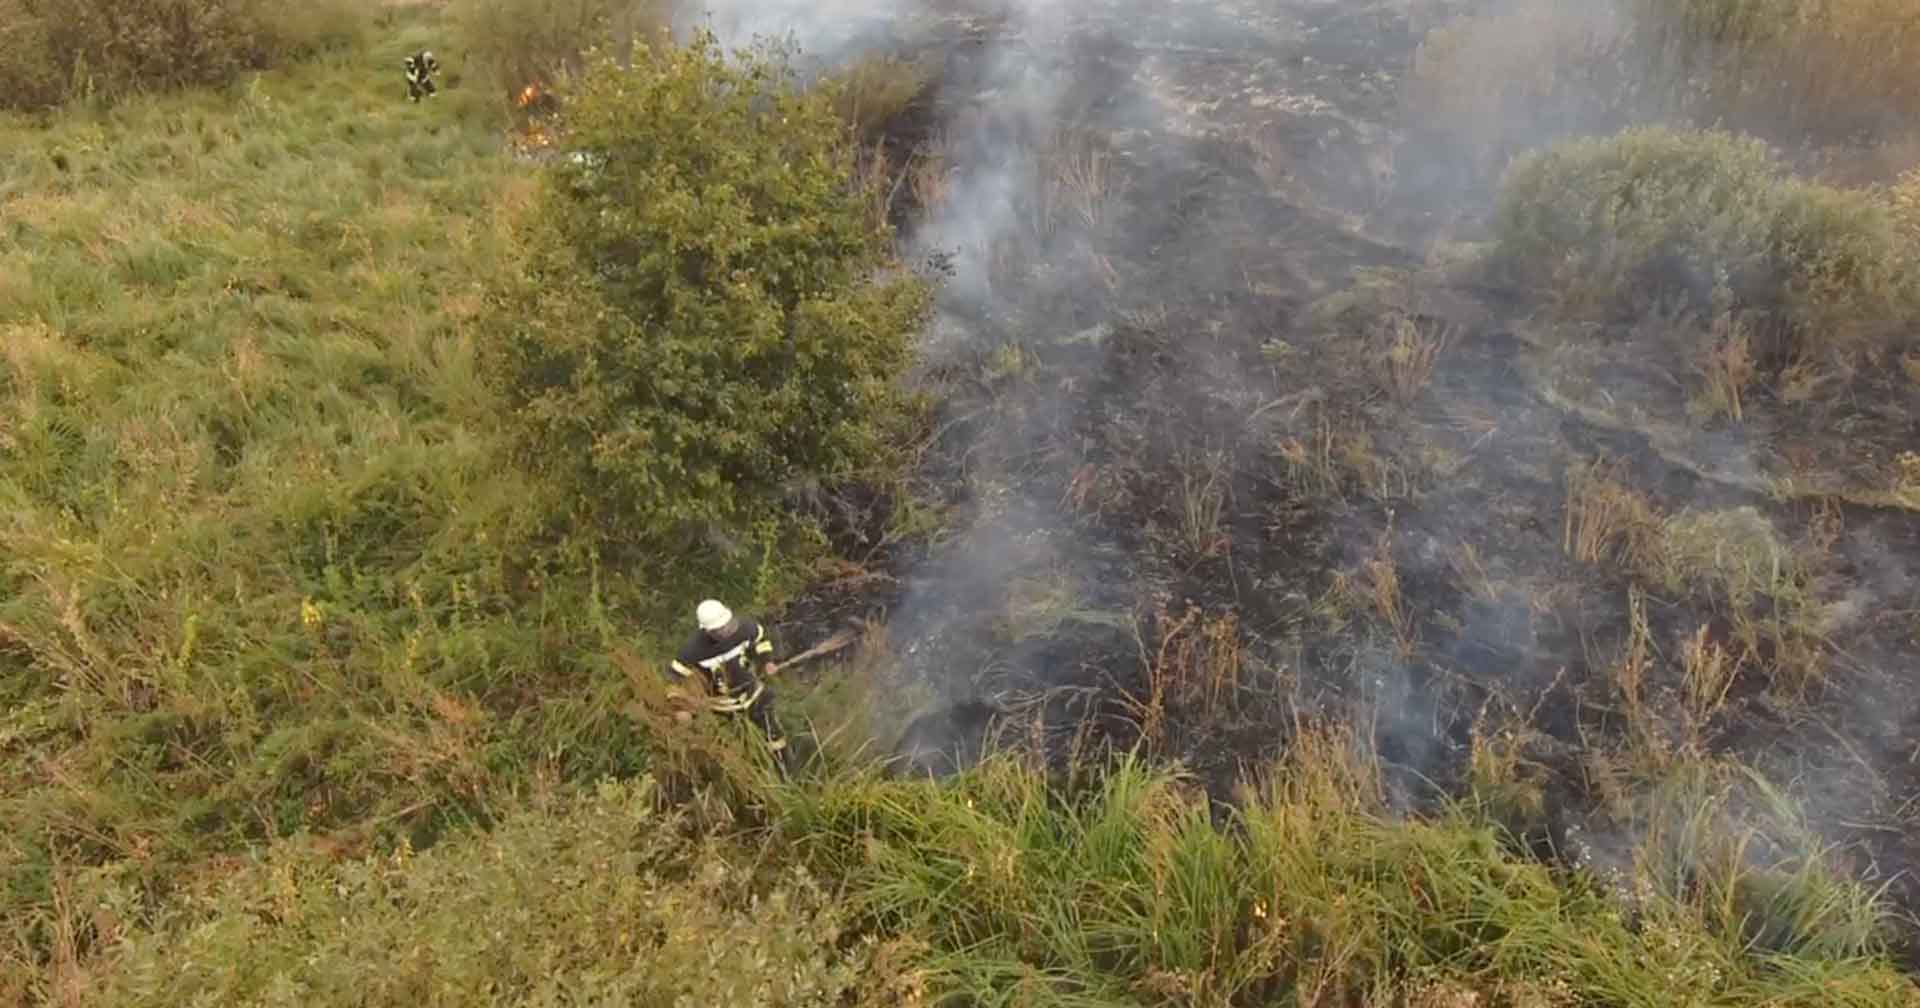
1193,500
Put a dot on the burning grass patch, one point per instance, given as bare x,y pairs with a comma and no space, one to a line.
521,48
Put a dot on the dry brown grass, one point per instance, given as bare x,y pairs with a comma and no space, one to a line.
1727,368
1195,668
875,91
1382,581
1802,380
1809,66
1080,168
1607,521
1731,560
1472,572
929,180
1630,682
1497,82
1203,505
1038,604
1406,349
1906,480
1374,589
514,44
1911,365
1502,778
52,51
1073,184
1708,673
874,176
1531,71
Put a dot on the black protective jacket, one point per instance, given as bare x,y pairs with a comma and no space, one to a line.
727,664
421,67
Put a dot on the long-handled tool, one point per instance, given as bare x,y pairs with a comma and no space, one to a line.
839,641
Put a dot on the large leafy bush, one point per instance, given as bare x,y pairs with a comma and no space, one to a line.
714,313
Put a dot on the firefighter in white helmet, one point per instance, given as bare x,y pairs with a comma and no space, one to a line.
733,657
421,67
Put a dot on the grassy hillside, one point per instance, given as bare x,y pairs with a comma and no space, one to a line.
277,614
264,570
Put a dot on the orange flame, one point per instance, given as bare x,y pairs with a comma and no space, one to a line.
528,95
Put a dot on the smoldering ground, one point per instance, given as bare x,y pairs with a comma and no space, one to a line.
1225,456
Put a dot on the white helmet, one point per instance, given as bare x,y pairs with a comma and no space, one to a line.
712,615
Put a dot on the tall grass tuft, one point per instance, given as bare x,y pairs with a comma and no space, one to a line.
1820,74
1136,889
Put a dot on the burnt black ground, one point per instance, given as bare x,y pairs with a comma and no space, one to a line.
1245,153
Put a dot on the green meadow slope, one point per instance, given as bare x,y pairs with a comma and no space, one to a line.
303,702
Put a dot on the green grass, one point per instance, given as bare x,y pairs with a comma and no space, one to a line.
263,568
595,897
1000,889
1135,893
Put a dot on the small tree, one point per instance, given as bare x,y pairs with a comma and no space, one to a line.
717,314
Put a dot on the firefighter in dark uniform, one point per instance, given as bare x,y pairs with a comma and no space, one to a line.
733,657
421,67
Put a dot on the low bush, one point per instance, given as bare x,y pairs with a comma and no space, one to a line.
58,50
596,899
1654,217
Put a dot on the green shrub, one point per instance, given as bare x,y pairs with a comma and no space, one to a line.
1616,227
520,43
57,50
714,315
595,900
